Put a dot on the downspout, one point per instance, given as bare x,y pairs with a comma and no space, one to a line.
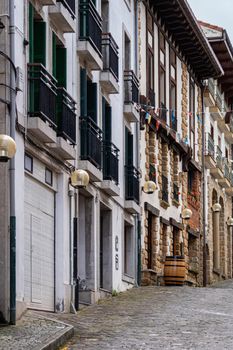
138,216
12,167
204,188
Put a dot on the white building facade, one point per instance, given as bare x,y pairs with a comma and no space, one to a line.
78,83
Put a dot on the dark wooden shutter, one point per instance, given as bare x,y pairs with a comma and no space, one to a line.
31,33
128,147
83,92
107,120
54,56
61,64
92,100
40,42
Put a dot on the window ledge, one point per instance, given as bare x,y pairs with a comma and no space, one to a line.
175,203
164,204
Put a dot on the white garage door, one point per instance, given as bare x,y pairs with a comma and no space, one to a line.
39,245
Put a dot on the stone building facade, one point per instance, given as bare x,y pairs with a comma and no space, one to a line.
218,159
171,142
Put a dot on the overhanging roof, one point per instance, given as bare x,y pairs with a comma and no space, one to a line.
221,44
181,23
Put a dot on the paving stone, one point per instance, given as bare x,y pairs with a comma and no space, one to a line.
32,332
165,318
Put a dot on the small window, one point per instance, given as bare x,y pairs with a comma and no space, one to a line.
48,177
28,163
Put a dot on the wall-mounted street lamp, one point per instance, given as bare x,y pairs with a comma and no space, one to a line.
7,148
230,222
216,208
149,187
186,214
79,178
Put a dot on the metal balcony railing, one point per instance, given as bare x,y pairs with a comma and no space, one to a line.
164,188
66,117
210,146
151,97
131,183
69,5
91,141
163,112
110,54
90,25
229,120
211,86
131,84
42,93
110,162
218,97
175,192
227,169
219,159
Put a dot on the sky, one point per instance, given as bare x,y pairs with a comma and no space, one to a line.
215,12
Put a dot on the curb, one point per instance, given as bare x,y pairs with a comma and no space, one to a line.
58,340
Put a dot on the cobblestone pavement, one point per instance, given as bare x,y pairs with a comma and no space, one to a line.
32,332
157,318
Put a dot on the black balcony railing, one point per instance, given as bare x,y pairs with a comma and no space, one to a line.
110,54
90,24
227,169
152,173
175,192
163,112
69,5
219,158
42,93
110,162
131,87
210,146
91,141
151,97
131,183
164,188
66,117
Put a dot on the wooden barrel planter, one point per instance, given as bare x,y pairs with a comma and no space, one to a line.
174,271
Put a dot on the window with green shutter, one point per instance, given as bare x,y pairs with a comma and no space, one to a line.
128,148
92,100
83,92
39,42
107,120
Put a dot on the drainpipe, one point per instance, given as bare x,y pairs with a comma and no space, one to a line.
204,189
12,168
138,216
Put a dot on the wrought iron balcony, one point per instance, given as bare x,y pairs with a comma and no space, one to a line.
91,142
164,188
131,183
66,117
163,112
90,25
219,158
131,84
69,5
210,146
227,169
110,54
110,162
42,93
175,192
151,97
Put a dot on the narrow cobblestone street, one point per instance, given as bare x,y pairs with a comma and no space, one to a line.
157,318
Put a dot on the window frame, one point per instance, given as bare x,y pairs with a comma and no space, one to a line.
46,181
31,158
